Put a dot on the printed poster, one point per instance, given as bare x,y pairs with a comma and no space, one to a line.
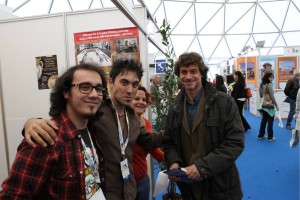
272,61
103,47
285,67
249,69
47,71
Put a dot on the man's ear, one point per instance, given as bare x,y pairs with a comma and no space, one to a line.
110,83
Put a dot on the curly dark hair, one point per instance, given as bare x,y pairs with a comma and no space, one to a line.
265,78
122,66
63,83
191,58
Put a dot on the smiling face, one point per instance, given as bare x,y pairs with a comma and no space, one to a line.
190,78
123,89
82,106
139,102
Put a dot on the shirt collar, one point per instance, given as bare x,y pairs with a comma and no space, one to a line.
197,97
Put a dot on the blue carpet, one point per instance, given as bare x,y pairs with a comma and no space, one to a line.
268,170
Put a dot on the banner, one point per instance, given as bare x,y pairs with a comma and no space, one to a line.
102,47
291,51
285,67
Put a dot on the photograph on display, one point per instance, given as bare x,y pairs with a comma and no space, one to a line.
47,71
248,68
249,72
103,47
98,53
285,67
127,45
265,63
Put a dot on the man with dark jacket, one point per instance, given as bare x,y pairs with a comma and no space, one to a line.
204,135
291,90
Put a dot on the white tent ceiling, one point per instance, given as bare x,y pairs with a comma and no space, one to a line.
217,29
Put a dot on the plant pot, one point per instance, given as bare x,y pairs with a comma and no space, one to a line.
170,196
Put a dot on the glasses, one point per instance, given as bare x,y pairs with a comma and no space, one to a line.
87,88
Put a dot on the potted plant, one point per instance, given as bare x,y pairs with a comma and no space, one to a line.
161,108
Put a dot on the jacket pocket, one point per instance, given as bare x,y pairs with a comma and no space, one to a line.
228,182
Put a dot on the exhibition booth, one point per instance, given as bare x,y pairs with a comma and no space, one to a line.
36,50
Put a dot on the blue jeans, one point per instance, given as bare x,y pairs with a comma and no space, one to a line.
143,189
292,111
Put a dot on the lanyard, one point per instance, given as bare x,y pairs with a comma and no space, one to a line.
88,154
122,144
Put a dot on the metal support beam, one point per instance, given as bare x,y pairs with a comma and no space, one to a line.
119,4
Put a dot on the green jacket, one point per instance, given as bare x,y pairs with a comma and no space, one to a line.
224,135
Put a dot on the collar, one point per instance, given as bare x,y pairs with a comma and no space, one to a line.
66,125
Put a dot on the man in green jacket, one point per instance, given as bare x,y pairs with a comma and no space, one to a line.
204,136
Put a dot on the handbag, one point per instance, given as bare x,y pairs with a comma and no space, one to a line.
248,93
266,101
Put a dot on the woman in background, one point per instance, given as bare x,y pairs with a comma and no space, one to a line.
220,86
239,95
268,113
140,168
230,82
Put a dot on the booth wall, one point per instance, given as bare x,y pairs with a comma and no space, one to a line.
24,39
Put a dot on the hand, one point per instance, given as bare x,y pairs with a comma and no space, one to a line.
40,128
142,122
193,173
175,178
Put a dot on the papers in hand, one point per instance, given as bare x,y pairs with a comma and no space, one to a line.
180,173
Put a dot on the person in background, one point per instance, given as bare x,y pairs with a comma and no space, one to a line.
154,90
220,86
267,67
214,80
140,168
204,135
239,95
230,83
290,90
70,169
117,127
267,113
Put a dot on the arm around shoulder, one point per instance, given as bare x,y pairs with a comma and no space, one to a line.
40,130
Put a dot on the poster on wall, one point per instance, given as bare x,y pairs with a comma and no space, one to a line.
47,71
249,69
267,68
103,47
285,67
160,66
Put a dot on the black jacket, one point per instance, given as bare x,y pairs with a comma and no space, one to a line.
291,88
238,91
224,143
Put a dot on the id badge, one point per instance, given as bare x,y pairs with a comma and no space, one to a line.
124,169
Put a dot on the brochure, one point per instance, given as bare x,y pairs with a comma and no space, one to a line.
179,172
